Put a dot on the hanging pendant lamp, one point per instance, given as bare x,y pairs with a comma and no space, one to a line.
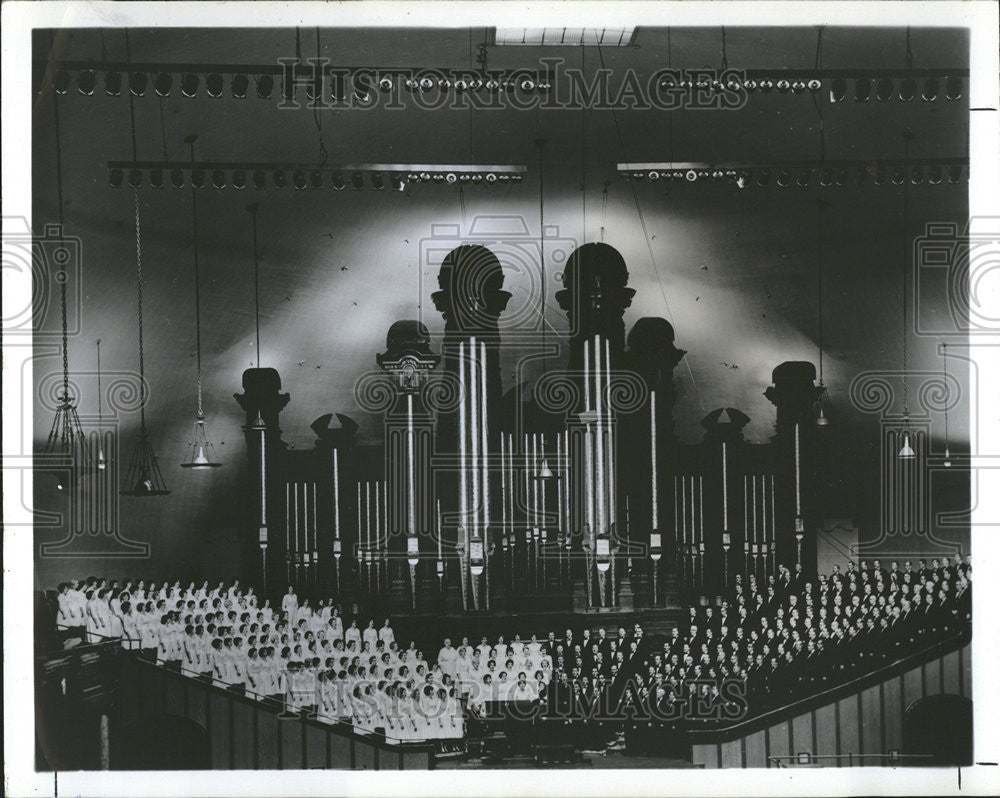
142,477
906,451
102,463
947,449
65,437
200,451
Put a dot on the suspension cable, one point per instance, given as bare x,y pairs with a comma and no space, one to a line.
197,285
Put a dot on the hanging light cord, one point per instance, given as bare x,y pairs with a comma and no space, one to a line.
541,245
604,208
138,282
131,98
944,348
670,116
583,137
317,119
62,284
138,256
256,278
819,288
197,287
100,402
905,258
817,103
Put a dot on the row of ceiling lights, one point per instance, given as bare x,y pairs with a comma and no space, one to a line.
264,84
865,88
804,176
298,178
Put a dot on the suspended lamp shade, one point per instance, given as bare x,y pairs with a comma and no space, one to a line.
143,477
822,419
544,472
201,453
200,450
67,440
906,451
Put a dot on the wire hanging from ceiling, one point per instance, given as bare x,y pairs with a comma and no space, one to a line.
317,104
543,288
822,420
142,477
906,452
101,462
583,137
66,436
947,436
201,453
252,210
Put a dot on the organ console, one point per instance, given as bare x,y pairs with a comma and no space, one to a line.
581,497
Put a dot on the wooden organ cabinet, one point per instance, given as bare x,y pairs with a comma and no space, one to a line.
579,498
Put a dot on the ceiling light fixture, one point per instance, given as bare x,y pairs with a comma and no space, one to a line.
239,86
189,84
906,452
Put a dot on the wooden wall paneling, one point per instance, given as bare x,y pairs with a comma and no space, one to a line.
292,747
268,740
703,755
892,701
151,690
913,687
850,729
951,672
174,691
826,730
364,756
243,742
415,760
966,657
932,677
778,740
195,702
871,722
340,751
316,746
756,750
219,731
802,734
732,754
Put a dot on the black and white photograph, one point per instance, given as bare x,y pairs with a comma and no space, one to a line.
553,399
